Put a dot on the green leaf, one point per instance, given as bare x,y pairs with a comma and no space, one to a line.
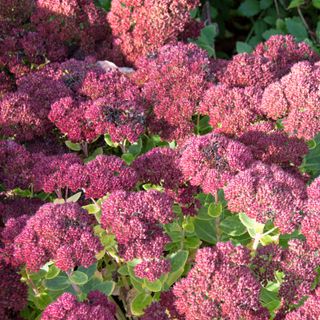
95,153
205,230
233,226
75,197
265,4
252,226
316,3
209,33
105,4
109,142
269,299
178,260
106,287
92,208
58,283
243,47
295,4
42,301
79,278
139,303
123,270
73,146
154,286
249,8
59,201
271,32
191,242
127,157
296,28
311,162
89,271
53,272
215,209
136,147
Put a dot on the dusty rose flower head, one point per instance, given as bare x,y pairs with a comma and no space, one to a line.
159,166
152,269
211,160
309,310
141,27
13,293
249,70
15,165
220,285
231,110
59,232
273,146
106,174
284,51
56,172
174,79
295,98
266,192
96,306
134,218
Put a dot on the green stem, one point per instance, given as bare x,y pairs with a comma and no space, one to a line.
119,313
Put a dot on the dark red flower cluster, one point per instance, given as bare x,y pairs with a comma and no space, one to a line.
298,262
13,293
266,192
141,27
96,306
106,174
14,216
220,285
152,269
24,113
273,146
159,166
174,79
284,52
135,218
54,173
59,232
231,109
210,161
15,165
101,102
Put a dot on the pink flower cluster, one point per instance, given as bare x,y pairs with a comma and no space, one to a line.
298,262
220,285
310,226
309,310
101,102
96,306
266,192
141,27
135,218
14,216
59,232
173,80
210,161
294,99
